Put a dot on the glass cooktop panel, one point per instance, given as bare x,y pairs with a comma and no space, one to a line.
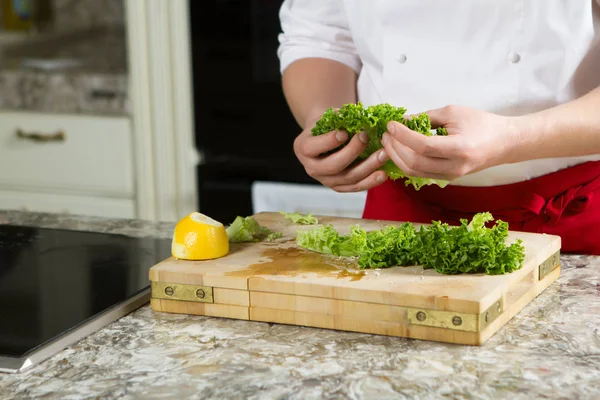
52,280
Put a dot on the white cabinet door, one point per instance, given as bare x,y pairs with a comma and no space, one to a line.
70,153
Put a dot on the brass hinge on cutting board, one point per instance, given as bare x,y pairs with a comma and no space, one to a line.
455,320
472,322
549,265
179,291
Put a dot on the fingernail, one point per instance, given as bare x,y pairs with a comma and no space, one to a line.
382,156
379,178
341,136
391,127
363,137
384,139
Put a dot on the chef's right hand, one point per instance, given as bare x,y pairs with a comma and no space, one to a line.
336,170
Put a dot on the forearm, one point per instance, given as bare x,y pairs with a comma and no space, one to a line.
568,130
312,85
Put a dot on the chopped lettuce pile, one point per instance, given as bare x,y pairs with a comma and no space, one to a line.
467,248
354,118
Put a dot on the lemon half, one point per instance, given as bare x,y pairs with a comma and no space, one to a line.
198,237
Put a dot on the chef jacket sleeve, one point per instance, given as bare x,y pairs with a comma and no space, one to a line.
315,29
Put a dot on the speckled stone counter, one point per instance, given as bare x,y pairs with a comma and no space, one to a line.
64,92
550,350
79,72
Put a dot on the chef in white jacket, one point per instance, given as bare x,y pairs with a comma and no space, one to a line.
516,83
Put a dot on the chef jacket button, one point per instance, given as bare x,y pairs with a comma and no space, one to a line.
514,57
401,58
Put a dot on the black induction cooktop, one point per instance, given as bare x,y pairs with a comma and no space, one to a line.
57,286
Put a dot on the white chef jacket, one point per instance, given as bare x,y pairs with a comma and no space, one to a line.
508,57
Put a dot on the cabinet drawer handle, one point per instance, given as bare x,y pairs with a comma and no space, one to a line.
42,137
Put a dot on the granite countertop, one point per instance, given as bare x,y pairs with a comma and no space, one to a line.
549,350
93,79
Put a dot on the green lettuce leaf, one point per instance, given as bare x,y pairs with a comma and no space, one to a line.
467,248
471,247
298,218
392,245
246,230
354,118
323,239
274,235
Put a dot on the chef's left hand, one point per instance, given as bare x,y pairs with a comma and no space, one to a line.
476,140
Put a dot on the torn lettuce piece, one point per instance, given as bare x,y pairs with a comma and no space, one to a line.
298,218
246,230
395,173
323,239
354,118
274,235
389,246
470,247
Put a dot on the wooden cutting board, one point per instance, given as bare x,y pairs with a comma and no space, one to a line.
282,283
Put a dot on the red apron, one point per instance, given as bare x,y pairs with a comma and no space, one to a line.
564,203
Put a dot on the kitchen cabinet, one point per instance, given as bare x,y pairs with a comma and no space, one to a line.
67,163
140,163
77,153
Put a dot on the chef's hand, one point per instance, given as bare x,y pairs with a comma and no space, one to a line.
338,170
476,140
